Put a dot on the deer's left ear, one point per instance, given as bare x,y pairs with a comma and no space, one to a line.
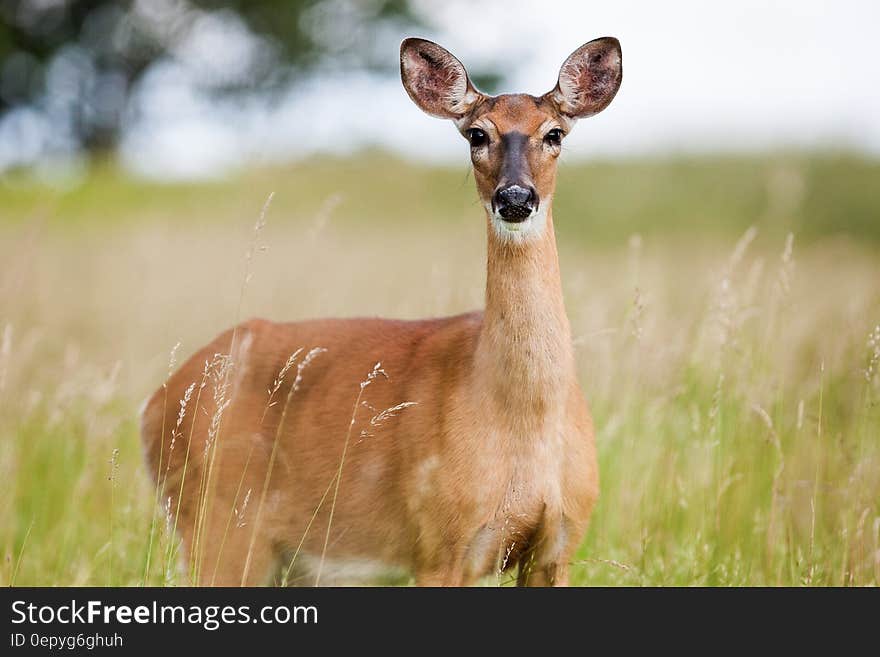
435,80
589,78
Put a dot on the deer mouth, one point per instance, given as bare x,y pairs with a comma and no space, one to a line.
515,213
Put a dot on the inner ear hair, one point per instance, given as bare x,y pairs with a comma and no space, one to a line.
589,78
435,80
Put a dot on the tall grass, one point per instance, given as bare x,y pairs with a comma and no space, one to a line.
733,373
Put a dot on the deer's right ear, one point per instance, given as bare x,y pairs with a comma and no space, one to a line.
436,80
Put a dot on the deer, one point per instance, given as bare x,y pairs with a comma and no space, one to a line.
484,459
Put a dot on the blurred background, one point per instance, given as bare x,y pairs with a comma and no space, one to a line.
719,232
195,88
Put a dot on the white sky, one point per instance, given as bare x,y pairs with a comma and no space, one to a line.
698,76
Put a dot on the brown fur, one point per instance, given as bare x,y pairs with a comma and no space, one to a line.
493,466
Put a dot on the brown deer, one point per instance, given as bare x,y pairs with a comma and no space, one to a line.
277,464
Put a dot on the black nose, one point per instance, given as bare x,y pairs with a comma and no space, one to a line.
514,202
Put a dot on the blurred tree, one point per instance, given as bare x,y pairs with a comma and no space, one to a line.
75,64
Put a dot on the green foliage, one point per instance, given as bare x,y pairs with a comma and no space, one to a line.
811,195
814,196
78,62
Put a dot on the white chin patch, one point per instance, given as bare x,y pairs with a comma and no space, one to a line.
520,231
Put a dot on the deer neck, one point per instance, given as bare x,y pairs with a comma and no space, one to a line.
524,357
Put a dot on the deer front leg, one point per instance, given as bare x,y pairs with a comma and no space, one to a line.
445,564
548,574
547,561
448,573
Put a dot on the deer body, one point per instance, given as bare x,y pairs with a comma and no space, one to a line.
486,458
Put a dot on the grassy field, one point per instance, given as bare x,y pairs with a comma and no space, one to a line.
726,316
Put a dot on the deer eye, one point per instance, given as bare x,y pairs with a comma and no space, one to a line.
554,137
477,137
